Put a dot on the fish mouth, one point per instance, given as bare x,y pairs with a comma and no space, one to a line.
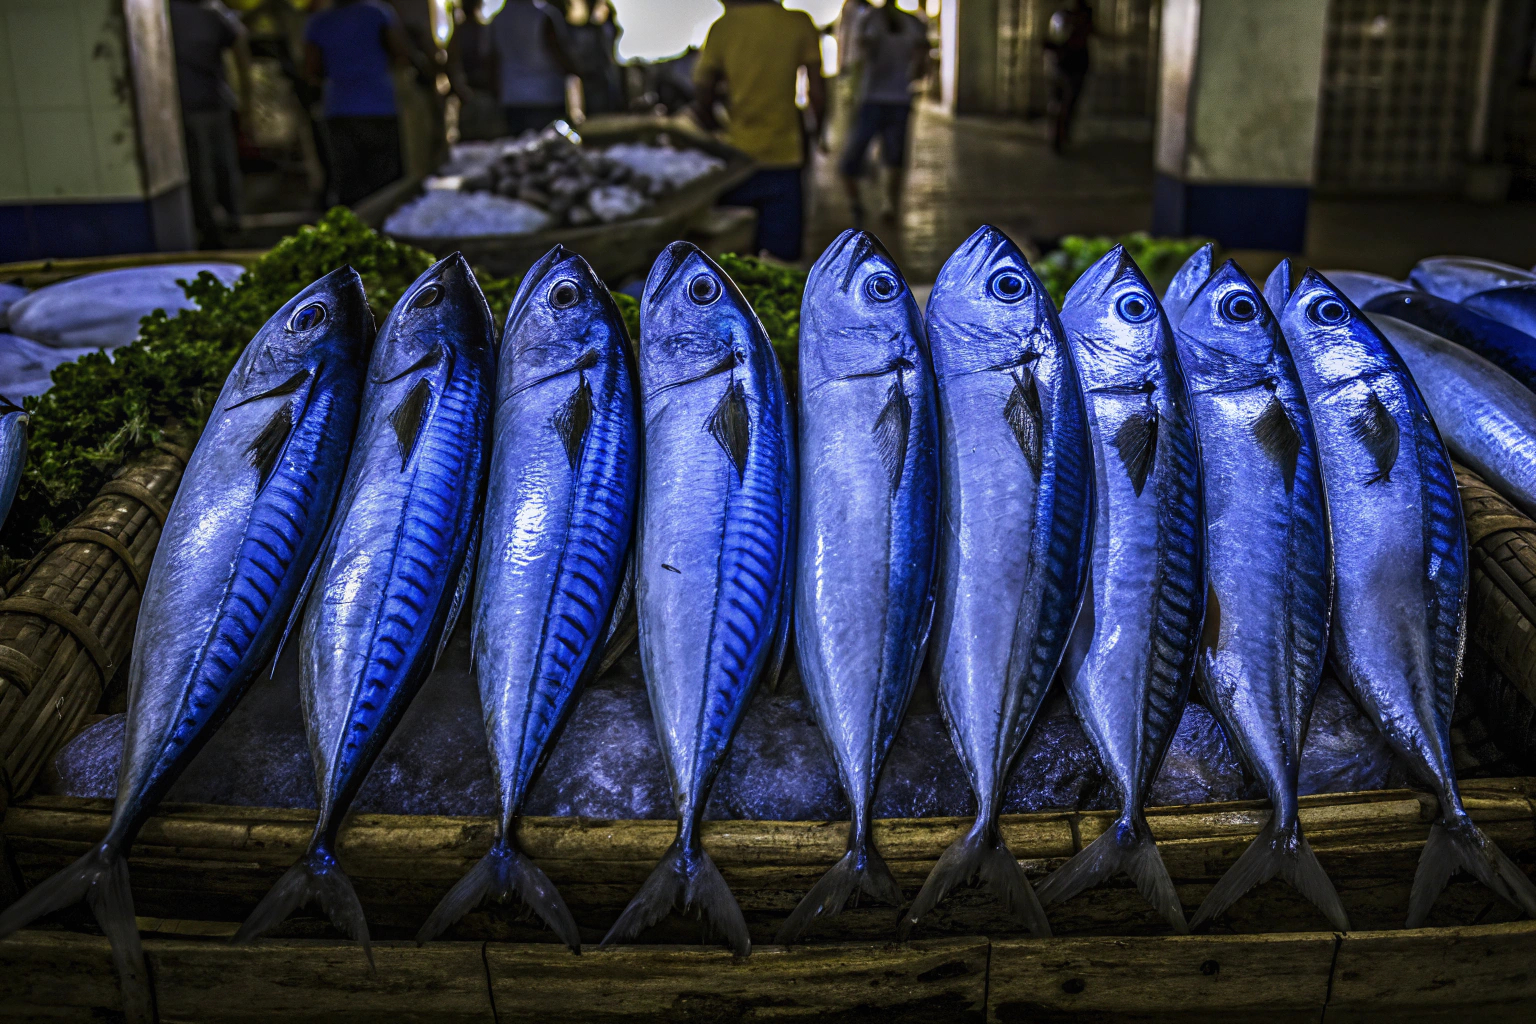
845,256
727,363
536,276
1111,268
586,361
301,380
672,259
896,365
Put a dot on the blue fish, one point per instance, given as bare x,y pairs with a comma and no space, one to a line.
714,539
1188,280
394,571
1266,632
1017,493
1514,306
1400,568
13,452
242,531
1457,277
868,528
1132,654
1279,284
1510,350
560,506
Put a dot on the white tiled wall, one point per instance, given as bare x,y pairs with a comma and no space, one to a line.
67,126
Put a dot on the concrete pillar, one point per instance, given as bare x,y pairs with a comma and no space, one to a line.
91,154
968,56
1237,120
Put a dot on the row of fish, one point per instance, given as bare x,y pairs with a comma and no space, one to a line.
991,489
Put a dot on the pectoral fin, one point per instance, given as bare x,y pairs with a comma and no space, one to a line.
408,418
1136,441
891,431
573,419
1375,428
1025,418
1278,437
269,444
729,426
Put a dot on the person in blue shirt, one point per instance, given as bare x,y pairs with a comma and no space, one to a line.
350,49
531,64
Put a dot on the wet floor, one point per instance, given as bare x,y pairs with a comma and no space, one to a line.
968,171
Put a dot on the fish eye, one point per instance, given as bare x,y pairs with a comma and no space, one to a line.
1239,307
1328,311
883,287
1136,307
1008,285
564,295
307,319
704,289
431,295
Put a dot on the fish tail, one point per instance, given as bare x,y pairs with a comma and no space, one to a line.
317,877
980,853
100,878
862,869
503,873
1282,852
686,877
1455,842
1127,846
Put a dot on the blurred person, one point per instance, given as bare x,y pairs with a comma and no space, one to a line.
594,39
422,109
472,74
201,32
843,100
349,49
1066,65
531,64
754,53
893,56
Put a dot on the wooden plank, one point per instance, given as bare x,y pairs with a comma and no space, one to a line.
1482,973
56,977
940,980
1183,978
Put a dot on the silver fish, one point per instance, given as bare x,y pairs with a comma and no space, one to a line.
13,452
394,571
1132,655
1266,626
1188,280
715,543
1485,417
1457,277
1017,487
241,533
1400,567
868,526
1361,287
560,506
1279,285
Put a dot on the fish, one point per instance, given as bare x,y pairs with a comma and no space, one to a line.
1360,286
13,452
1456,277
1187,280
1131,659
867,533
103,310
394,571
1514,306
1486,418
240,535
1279,284
1400,568
1265,643
559,514
1510,350
26,368
1016,485
715,544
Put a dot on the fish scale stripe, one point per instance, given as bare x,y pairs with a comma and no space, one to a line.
1446,541
597,503
275,531
1307,598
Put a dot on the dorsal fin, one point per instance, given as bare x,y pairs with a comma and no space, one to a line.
268,446
1025,418
729,426
890,431
1136,441
573,419
1278,437
408,417
1375,428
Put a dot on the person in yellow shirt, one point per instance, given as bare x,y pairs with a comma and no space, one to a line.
751,59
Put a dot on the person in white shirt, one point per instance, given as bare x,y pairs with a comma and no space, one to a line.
893,52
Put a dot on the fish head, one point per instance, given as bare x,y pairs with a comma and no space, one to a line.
988,310
1227,336
563,320
328,323
695,323
1277,286
858,317
1115,326
1331,341
1187,281
440,320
